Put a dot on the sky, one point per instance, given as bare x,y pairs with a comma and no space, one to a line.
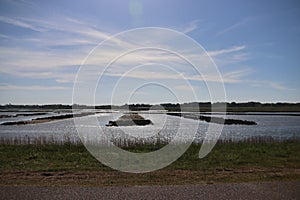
44,44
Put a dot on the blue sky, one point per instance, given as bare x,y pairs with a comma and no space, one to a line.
255,45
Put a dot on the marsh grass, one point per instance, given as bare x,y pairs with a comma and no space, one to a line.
42,154
126,142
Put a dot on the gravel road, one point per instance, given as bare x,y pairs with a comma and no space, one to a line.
266,190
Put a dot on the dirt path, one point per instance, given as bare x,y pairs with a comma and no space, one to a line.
265,190
161,177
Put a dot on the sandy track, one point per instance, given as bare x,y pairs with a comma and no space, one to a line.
265,190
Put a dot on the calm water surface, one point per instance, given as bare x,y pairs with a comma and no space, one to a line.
278,126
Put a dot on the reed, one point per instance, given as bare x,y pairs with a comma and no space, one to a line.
128,142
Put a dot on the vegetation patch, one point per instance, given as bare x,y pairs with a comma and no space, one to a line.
48,119
131,119
70,164
217,120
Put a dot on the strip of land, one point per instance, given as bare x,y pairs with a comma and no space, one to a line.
216,120
48,119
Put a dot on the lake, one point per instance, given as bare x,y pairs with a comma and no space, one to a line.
279,126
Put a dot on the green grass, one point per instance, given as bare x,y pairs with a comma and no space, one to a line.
71,164
70,157
47,158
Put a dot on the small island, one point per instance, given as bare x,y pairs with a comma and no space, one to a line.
216,120
131,119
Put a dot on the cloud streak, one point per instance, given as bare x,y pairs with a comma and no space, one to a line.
21,24
226,51
191,26
236,25
230,77
270,84
32,87
34,63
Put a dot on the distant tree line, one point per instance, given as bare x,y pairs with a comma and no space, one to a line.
191,106
52,107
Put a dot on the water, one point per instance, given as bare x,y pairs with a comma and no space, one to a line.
277,126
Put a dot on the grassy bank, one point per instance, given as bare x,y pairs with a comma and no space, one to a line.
72,164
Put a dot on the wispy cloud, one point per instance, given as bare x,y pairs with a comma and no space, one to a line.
4,36
38,57
186,88
237,75
23,62
191,26
32,87
226,51
34,59
22,2
232,77
270,84
20,23
49,65
229,77
229,56
236,25
65,29
34,63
